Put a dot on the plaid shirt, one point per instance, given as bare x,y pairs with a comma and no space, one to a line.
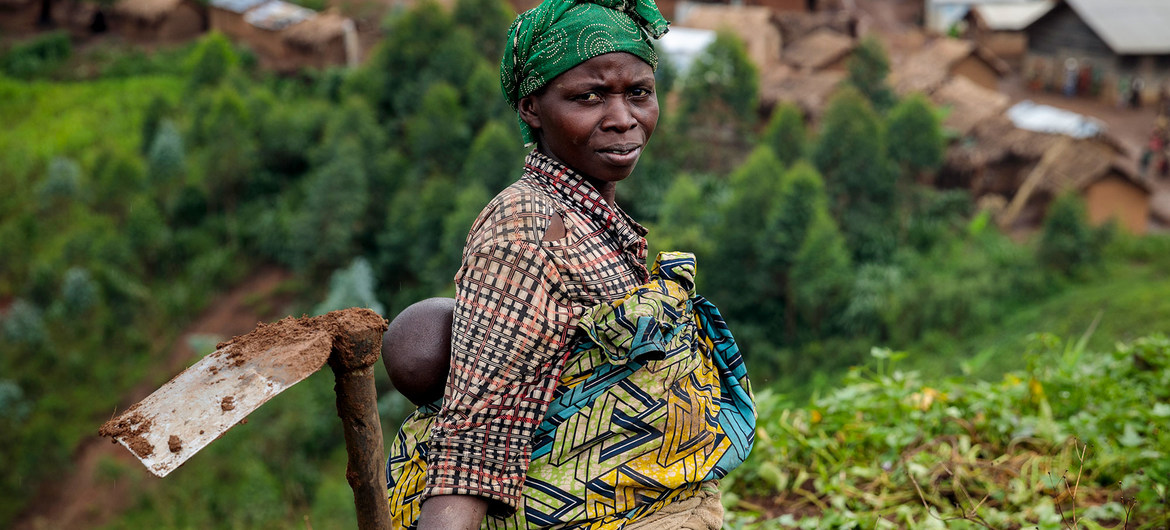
518,300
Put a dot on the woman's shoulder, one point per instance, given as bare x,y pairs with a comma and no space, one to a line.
521,212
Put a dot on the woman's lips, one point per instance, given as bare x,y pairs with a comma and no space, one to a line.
621,155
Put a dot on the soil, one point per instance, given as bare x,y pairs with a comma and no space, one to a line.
174,444
270,339
133,427
85,498
228,403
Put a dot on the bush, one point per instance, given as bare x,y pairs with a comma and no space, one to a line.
1068,245
37,57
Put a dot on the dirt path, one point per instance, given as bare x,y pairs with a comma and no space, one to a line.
86,499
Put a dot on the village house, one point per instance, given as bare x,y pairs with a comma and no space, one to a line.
156,21
944,58
753,25
823,49
22,16
999,27
1102,47
1025,170
286,37
227,17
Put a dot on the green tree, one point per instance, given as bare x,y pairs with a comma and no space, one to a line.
1068,245
786,133
211,61
229,148
495,158
851,154
157,111
325,232
686,218
717,105
79,292
915,136
166,157
488,22
353,286
438,134
868,68
62,183
820,276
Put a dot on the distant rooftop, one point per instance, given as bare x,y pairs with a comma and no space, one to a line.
236,6
1013,17
1128,26
277,15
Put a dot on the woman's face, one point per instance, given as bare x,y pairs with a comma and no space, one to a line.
597,117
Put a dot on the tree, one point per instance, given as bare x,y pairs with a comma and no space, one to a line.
820,275
353,286
488,21
1068,245
230,152
79,292
717,104
685,219
157,111
166,155
915,135
438,134
325,232
851,154
212,59
494,159
786,134
62,183
868,67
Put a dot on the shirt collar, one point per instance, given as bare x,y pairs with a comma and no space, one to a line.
573,189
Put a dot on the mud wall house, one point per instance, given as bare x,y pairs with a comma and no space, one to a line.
227,17
999,27
943,58
268,21
752,24
22,16
823,49
151,21
321,41
1120,39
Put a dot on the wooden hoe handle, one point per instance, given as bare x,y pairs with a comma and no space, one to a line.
354,354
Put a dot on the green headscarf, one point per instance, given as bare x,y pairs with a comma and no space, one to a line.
557,35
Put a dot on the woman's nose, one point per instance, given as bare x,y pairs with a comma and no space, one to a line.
619,115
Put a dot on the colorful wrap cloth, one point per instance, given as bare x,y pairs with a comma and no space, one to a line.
553,37
654,401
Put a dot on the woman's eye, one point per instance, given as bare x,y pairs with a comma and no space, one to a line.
640,92
591,96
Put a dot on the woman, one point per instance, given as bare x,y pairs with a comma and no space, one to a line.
550,269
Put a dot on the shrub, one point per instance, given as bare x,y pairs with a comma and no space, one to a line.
37,57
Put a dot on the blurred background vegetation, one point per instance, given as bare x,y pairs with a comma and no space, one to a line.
135,187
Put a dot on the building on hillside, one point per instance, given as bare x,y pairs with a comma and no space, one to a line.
752,24
1028,169
999,27
327,39
809,92
795,26
1102,48
266,38
967,104
227,17
823,49
22,16
150,21
943,58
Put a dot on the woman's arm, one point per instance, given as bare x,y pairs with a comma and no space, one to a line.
452,512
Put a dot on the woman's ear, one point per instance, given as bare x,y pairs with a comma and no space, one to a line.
529,109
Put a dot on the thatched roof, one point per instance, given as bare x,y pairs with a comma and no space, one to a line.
810,92
753,24
1072,164
926,70
994,139
969,103
150,11
819,49
795,26
318,30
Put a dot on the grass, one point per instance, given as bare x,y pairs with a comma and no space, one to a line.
1127,300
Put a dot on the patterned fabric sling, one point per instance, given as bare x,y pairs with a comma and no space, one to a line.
653,401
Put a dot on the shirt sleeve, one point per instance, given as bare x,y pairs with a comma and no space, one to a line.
512,323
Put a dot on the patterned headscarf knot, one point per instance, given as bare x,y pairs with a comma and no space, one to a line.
557,35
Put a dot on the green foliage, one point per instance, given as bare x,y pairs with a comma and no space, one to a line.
1047,447
488,22
494,158
37,57
324,234
915,136
786,134
79,292
353,286
438,134
868,67
211,61
851,153
23,324
1068,245
61,185
158,110
717,104
166,157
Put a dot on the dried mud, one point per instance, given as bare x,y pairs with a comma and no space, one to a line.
228,403
174,444
131,426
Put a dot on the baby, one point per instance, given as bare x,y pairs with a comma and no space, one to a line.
416,349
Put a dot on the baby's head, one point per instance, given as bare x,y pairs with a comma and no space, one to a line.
416,349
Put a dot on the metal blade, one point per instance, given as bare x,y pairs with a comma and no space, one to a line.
210,397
